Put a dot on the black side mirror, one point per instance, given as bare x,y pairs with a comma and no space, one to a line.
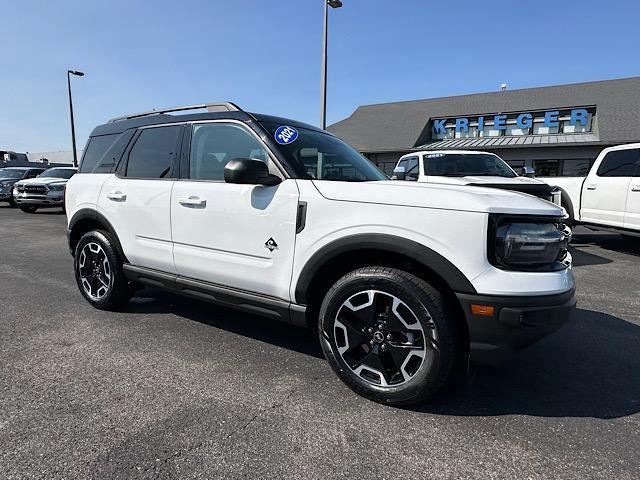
399,173
249,171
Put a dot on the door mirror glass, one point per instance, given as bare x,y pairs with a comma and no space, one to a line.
249,171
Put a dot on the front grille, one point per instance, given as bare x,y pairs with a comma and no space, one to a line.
40,189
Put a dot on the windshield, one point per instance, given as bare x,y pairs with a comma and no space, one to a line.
11,173
58,173
462,165
320,156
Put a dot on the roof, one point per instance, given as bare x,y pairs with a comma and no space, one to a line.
400,125
120,126
511,142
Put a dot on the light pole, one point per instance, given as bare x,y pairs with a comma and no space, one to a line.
73,128
323,100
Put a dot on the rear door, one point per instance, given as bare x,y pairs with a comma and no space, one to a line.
239,236
137,199
632,215
605,190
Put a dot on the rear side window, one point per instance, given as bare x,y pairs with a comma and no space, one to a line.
153,153
619,163
103,152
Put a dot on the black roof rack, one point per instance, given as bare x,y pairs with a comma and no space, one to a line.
211,107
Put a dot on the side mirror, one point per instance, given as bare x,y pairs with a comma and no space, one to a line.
528,172
249,171
399,173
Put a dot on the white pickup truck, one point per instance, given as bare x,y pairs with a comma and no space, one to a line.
608,198
472,168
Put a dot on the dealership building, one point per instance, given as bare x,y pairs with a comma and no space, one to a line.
558,130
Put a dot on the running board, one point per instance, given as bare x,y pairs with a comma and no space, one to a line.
251,302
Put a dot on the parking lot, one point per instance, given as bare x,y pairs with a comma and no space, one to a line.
174,388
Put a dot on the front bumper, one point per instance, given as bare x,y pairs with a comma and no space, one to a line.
41,200
517,321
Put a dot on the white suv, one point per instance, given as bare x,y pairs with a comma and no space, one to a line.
403,281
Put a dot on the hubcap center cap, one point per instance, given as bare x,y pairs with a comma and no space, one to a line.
378,337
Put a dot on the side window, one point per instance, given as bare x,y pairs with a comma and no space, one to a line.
153,153
102,153
411,168
213,145
619,163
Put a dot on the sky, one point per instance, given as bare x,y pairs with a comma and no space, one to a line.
265,55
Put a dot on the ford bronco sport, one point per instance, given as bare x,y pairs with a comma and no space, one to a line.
403,281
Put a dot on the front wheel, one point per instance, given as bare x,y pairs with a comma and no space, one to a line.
99,273
389,335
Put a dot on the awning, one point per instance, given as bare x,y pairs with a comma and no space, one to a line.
511,142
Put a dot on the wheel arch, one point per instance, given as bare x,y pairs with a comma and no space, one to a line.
345,254
85,220
567,203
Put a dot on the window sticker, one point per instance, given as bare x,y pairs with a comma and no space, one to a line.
435,155
285,135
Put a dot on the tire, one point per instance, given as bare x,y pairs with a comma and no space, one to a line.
351,337
12,201
28,208
98,272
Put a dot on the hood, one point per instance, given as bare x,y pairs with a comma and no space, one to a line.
430,195
43,181
481,179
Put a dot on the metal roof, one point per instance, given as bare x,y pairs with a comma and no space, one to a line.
511,142
402,125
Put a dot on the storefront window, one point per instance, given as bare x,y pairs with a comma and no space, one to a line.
539,128
489,131
472,132
577,127
514,130
547,168
571,167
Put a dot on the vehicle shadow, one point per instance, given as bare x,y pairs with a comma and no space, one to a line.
582,258
281,334
587,369
607,241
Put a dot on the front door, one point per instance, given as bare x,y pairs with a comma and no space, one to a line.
632,215
240,236
605,191
137,200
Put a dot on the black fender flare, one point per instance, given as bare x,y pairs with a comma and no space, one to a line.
95,217
423,255
567,203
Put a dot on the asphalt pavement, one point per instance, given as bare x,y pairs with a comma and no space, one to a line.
175,388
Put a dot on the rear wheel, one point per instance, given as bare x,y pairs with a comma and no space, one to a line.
99,273
388,335
28,208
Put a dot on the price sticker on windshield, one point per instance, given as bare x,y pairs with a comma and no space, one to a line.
285,135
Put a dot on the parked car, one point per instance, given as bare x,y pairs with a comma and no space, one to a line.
44,191
9,176
608,198
402,281
467,167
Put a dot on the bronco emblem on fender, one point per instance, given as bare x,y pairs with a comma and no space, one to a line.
271,244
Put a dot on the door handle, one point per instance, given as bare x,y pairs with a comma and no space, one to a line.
117,196
193,202
635,188
592,186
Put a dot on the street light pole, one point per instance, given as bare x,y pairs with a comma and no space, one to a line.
323,98
73,127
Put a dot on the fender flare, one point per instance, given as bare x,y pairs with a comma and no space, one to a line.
95,217
425,256
566,201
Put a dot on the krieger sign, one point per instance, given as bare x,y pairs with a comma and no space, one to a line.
522,120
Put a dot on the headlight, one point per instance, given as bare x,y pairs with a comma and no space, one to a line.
56,188
539,244
4,184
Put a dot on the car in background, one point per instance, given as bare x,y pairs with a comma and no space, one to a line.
608,198
44,191
10,175
472,168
